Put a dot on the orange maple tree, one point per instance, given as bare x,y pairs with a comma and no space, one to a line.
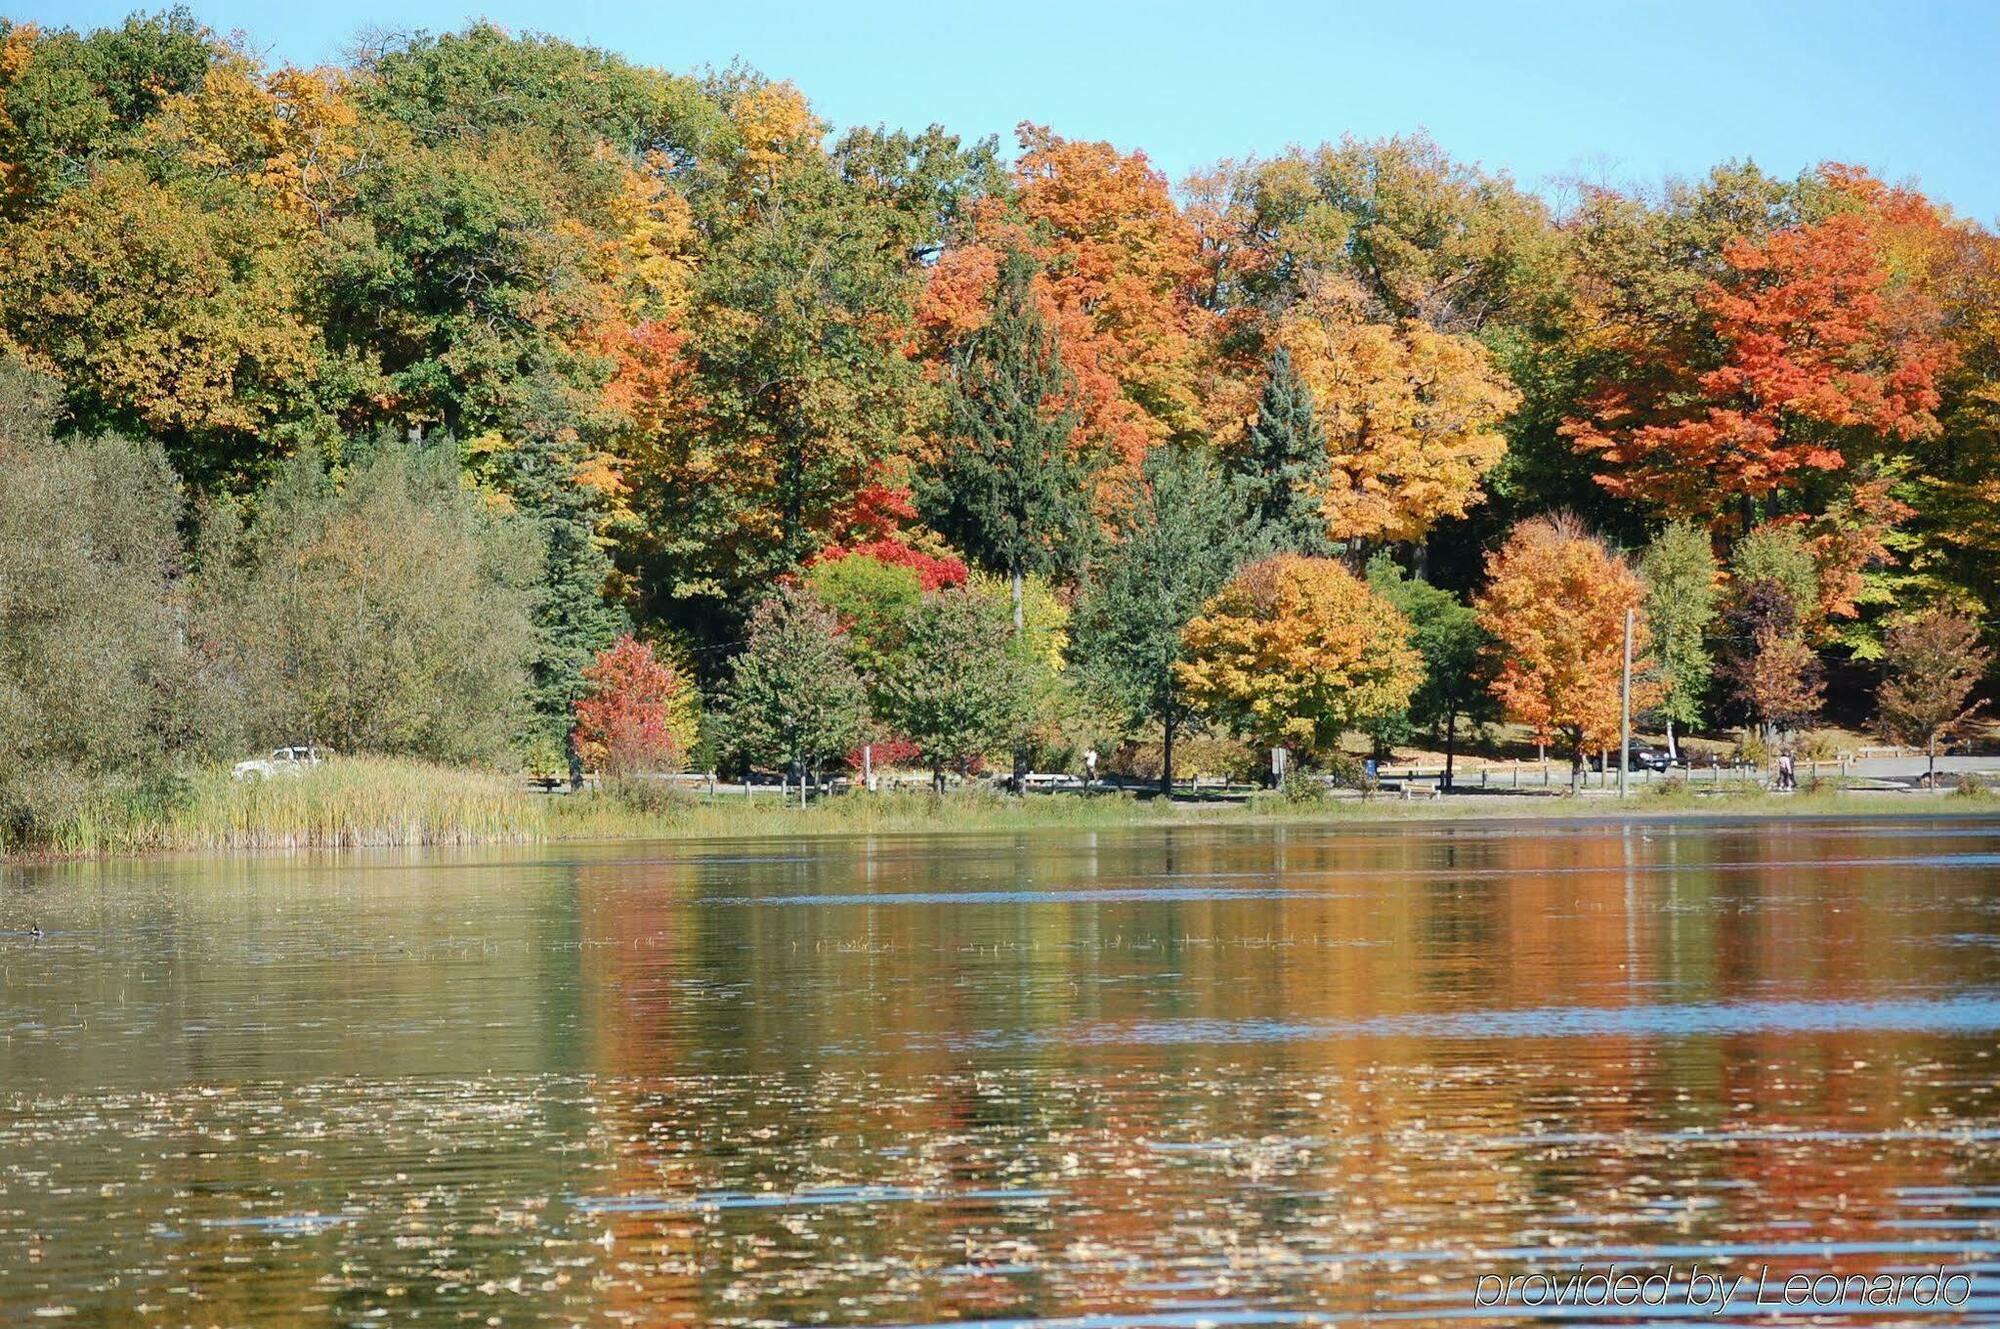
1555,603
1412,415
1118,266
874,526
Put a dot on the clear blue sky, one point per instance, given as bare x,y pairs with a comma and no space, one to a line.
1620,92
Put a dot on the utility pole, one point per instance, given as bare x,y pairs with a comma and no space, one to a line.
1625,709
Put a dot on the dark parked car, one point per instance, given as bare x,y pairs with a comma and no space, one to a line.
1653,759
1644,758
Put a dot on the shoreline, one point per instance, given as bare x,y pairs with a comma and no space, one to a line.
399,805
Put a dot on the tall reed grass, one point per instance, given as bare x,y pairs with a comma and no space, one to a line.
344,803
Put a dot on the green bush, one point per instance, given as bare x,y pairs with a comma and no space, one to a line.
387,613
1302,786
99,689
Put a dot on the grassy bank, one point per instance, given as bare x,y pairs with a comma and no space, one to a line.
365,802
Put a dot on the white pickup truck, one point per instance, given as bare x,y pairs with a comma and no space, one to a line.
281,762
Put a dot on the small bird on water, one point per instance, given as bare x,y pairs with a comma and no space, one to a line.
35,931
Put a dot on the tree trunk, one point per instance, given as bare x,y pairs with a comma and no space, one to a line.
1020,752
1450,744
1167,761
575,760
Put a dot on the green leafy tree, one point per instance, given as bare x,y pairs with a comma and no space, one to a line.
383,611
484,80
1283,466
1184,541
794,697
805,386
958,688
1458,660
1779,556
875,602
473,277
930,182
1682,590
72,100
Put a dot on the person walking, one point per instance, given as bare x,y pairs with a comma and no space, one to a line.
1786,781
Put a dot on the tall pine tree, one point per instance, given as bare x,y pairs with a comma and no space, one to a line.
1009,487
1282,464
573,621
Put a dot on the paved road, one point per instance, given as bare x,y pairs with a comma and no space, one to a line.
1902,768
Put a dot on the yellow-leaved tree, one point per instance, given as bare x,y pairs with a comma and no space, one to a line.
1412,415
1555,604
1295,651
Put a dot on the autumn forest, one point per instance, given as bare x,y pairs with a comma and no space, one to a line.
490,399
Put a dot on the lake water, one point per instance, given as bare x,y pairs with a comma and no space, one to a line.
1164,1077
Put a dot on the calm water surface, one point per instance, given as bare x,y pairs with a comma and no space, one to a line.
1177,1077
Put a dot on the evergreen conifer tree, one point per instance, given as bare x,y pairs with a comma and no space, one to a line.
1283,463
1010,488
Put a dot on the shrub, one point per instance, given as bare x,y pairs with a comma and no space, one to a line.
1674,786
1348,771
98,687
653,797
1302,786
1970,785
1199,754
385,614
1752,748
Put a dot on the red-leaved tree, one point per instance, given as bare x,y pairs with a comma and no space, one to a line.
633,717
1818,357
